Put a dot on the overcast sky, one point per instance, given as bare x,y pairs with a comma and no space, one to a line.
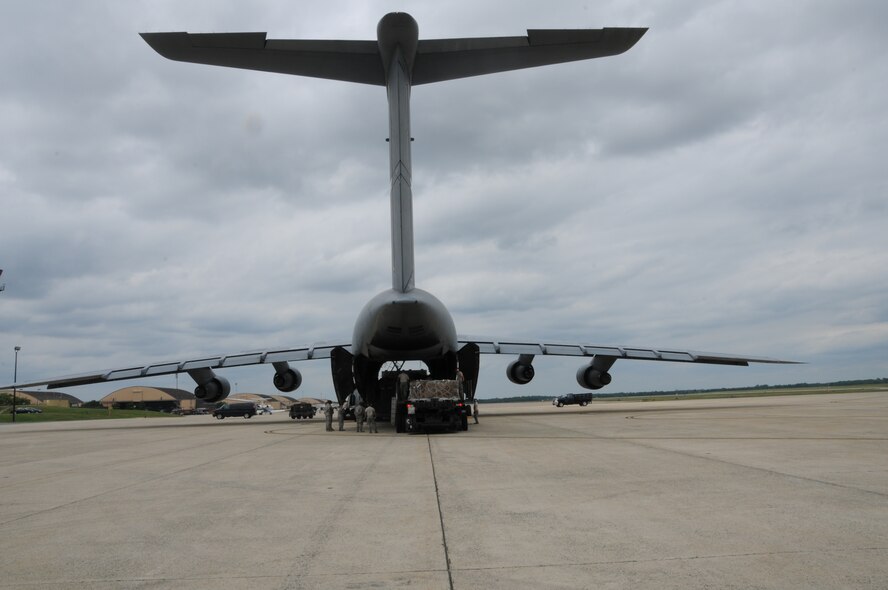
720,187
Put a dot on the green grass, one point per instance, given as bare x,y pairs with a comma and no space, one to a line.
53,414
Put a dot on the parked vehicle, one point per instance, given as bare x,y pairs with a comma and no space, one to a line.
245,409
301,410
582,399
431,404
28,410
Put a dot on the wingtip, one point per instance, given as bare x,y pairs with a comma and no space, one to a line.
630,35
166,44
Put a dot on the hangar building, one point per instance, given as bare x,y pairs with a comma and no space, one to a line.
162,399
166,399
45,398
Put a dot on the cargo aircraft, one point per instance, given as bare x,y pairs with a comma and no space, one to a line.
403,323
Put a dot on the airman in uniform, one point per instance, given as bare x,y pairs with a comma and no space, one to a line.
403,385
342,410
359,417
475,410
328,415
371,419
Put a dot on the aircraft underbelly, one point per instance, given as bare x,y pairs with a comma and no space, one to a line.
404,326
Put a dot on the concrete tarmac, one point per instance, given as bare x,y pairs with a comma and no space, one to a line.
778,492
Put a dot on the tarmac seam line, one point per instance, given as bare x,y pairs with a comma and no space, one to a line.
676,558
142,482
111,463
764,470
66,582
421,571
637,441
440,514
321,535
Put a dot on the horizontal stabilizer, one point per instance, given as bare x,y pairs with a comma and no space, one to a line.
448,59
360,61
348,61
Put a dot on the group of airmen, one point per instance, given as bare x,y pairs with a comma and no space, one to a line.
361,413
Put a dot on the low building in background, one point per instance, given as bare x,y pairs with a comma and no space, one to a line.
45,398
161,399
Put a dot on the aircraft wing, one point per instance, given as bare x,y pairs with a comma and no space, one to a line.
515,347
360,61
302,353
595,374
603,357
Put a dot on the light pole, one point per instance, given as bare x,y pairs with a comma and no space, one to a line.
15,371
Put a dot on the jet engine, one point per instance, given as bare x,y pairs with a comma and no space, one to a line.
519,372
592,378
595,375
286,379
214,390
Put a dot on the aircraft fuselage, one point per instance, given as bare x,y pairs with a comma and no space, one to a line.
397,326
403,323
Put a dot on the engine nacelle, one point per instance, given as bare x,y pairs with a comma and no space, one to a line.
287,380
591,378
520,373
214,390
